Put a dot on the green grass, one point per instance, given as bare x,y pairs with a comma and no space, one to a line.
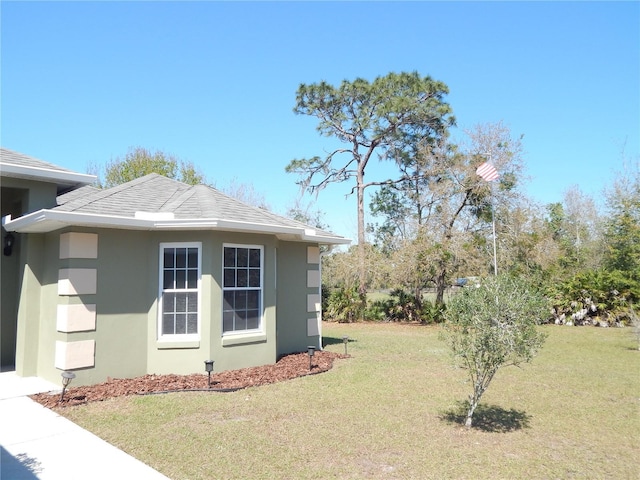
391,412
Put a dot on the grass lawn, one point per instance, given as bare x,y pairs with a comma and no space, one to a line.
390,412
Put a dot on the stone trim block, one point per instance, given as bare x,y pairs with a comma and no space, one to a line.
77,281
70,355
78,245
76,318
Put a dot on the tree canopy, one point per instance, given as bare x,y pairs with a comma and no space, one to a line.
435,217
140,161
381,118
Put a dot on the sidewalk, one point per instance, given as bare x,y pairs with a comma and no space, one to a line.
37,443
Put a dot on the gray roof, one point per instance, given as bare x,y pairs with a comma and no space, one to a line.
17,158
19,165
158,202
155,193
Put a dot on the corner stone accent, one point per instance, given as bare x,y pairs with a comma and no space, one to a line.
70,355
313,326
313,255
78,245
77,281
76,318
313,302
313,278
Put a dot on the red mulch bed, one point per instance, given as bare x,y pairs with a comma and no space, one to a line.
288,367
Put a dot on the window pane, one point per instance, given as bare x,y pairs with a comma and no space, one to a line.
243,257
253,299
168,258
192,323
228,302
253,320
168,281
192,302
181,323
254,277
192,258
168,302
181,281
167,324
192,278
229,257
229,277
181,302
241,300
242,279
181,257
254,257
227,321
241,320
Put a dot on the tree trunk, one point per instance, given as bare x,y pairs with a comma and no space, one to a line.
473,403
441,286
362,270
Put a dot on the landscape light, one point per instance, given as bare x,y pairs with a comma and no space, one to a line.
66,380
345,339
208,366
311,351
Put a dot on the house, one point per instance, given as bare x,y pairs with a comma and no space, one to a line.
151,276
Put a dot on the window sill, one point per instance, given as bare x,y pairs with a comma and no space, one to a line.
160,345
243,338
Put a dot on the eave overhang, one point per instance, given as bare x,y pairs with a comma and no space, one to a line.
45,175
44,221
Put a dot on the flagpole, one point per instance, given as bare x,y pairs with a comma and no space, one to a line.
493,225
488,172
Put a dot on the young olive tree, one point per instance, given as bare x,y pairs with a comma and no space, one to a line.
492,326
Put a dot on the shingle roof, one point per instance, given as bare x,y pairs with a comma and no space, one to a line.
174,203
155,193
19,165
17,158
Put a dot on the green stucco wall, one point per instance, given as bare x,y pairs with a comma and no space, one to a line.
292,299
125,335
17,197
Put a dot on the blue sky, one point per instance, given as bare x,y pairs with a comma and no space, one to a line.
215,82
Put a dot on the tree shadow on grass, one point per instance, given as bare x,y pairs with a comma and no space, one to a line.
335,341
488,418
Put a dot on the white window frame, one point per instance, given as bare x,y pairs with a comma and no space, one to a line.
180,337
260,328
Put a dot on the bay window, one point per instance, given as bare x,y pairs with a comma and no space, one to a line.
179,303
242,288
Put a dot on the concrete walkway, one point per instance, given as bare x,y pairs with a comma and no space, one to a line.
37,443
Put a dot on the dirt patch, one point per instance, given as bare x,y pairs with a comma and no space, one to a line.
287,368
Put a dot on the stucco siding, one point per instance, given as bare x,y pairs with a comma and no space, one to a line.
116,334
18,196
298,298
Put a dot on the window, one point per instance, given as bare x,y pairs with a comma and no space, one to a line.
179,291
242,289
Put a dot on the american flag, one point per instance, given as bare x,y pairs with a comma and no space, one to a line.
488,172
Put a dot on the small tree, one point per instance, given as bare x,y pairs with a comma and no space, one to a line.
140,161
492,326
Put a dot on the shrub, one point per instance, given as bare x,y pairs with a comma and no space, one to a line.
404,307
595,297
345,305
